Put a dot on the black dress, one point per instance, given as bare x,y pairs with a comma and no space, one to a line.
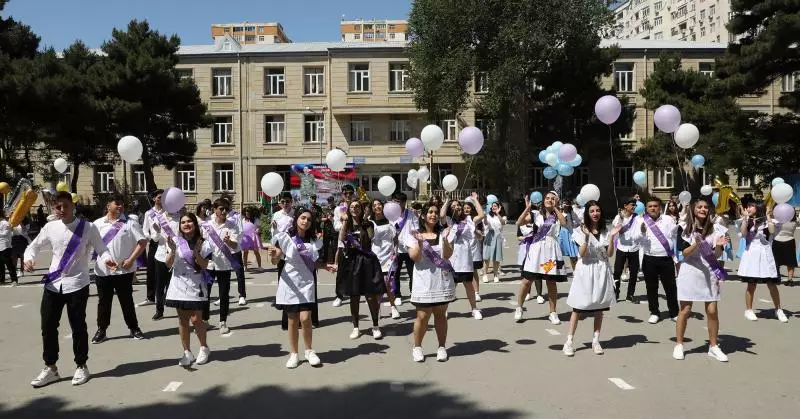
359,271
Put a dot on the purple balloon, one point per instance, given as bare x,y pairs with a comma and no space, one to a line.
567,153
608,109
414,147
392,211
173,199
667,118
471,140
783,213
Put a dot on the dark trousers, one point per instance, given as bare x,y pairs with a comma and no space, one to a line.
661,269
52,305
633,267
6,262
223,278
122,285
151,270
403,259
162,283
240,275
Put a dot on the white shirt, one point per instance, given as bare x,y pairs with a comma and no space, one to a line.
122,246
412,224
218,260
461,259
157,235
296,285
147,224
281,222
337,216
57,234
628,241
186,284
5,235
238,219
649,242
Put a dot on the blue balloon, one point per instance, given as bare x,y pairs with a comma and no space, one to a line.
550,173
491,199
715,198
542,155
536,197
777,181
565,169
556,145
640,178
639,208
698,161
577,161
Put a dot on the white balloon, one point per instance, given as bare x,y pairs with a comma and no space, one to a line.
272,184
551,158
412,182
450,183
590,192
129,148
423,174
706,190
336,159
684,197
412,173
386,185
686,136
61,165
432,137
782,193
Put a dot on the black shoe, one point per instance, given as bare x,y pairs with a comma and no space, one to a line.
99,336
158,316
137,334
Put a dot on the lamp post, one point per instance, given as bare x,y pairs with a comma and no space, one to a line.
315,113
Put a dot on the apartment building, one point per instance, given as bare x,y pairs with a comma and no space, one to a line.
248,33
679,20
374,30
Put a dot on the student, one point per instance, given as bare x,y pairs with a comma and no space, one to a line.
525,231
783,247
474,210
384,246
657,239
222,235
6,232
339,216
461,238
408,222
493,241
250,238
627,248
161,226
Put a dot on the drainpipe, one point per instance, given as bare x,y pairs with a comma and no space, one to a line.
241,134
329,116
646,112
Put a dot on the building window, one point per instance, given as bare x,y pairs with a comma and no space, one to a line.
223,130
400,129
249,28
185,73
139,181
664,178
227,45
250,38
482,82
658,35
398,78
275,81
223,81
274,129
223,177
450,128
187,178
788,83
314,128
711,10
702,177
314,80
237,29
105,180
658,21
359,77
582,175
707,69
357,36
486,126
360,130
261,38
260,29
538,179
623,175
745,182
391,35
623,77
369,36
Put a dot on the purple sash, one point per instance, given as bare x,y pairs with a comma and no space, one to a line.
544,229
188,257
162,221
522,253
460,228
350,241
305,254
402,223
659,236
627,225
69,253
707,252
109,236
212,234
435,257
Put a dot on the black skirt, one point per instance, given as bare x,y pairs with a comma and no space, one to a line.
186,305
296,308
359,274
784,253
757,280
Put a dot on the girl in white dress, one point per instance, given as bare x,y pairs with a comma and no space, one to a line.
188,256
493,241
462,238
700,274
592,290
384,245
758,263
434,287
474,210
525,231
299,249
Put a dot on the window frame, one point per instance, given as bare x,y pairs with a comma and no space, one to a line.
106,180
274,123
358,80
221,169
308,77
399,129
398,75
274,81
222,84
313,129
190,177
629,78
360,130
660,177
217,134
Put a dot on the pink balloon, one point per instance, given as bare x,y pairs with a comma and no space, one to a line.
414,147
567,153
608,109
392,211
173,199
783,213
471,140
667,118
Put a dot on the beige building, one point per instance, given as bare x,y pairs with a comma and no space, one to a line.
248,33
373,30
678,20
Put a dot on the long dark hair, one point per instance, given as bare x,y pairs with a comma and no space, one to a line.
311,232
449,211
196,235
372,204
423,225
691,222
587,219
361,227
673,213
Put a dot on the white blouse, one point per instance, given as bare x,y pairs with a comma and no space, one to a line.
296,285
186,283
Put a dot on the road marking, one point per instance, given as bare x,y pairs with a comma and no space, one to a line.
765,301
553,332
172,386
17,306
619,382
260,305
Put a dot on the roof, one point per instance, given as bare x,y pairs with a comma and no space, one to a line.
247,24
662,44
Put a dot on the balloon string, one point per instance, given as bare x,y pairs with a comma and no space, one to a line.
613,167
679,168
466,177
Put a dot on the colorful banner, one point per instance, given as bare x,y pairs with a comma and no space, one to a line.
310,179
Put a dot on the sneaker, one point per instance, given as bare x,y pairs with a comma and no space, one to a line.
395,313
312,358
477,297
568,349
518,314
496,279
417,355
376,333
716,352
750,315
398,301
223,328
528,297
187,359
137,334
625,276
598,350
675,319
144,303
99,336
47,376
81,375
441,354
202,356
292,362
653,319
485,279
781,316
242,301
677,352
337,302
158,316
554,318
355,333
539,299
216,302
476,314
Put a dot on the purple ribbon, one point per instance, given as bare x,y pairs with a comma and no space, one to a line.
659,235
110,234
541,233
350,241
69,253
304,253
628,225
226,251
707,252
162,221
188,257
400,225
435,257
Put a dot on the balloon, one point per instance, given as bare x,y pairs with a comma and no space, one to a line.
576,161
60,165
173,199
62,187
698,161
271,184
565,169
432,137
580,200
491,199
567,153
415,148
450,183
715,198
412,182
783,213
706,190
550,173
386,185
536,197
336,160
551,159
590,192
129,148
686,136
782,193
684,197
392,211
412,173
471,140
639,208
556,146
423,174
777,181
608,109
4,188
667,118
543,156
74,198
640,178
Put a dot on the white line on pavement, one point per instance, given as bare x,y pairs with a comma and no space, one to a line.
172,386
17,306
619,382
552,332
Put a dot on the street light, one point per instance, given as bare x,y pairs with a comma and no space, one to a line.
324,108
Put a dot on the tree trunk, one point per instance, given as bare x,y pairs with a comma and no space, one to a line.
76,170
149,179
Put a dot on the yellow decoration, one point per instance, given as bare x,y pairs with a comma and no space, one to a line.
74,198
62,187
4,188
362,195
22,208
548,266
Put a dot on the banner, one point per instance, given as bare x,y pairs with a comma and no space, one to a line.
315,179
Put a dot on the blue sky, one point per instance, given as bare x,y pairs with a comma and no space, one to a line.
60,22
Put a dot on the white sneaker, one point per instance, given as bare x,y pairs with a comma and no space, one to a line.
387,304
187,359
47,376
653,319
675,319
496,278
476,314
202,356
395,313
750,315
485,278
144,303
677,352
242,301
223,329
337,302
376,333
518,314
568,349
81,375
417,355
216,302
312,358
441,354
292,362
716,352
781,316
528,297
554,318
477,297
398,301
598,350
539,299
355,333
625,276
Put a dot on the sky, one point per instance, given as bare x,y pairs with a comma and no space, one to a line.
60,22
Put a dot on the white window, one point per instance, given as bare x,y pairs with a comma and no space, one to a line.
398,78
623,175
369,36
261,38
105,181
223,130
789,82
745,182
626,137
400,129
538,179
274,129
658,35
314,80
658,21
314,128
275,81
391,35
359,77
187,178
223,81
223,177
357,36
711,10
707,69
139,181
450,128
185,73
664,178
482,82
623,77
360,130
227,45
582,175
702,176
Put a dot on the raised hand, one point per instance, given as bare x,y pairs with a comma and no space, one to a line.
722,240
171,243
